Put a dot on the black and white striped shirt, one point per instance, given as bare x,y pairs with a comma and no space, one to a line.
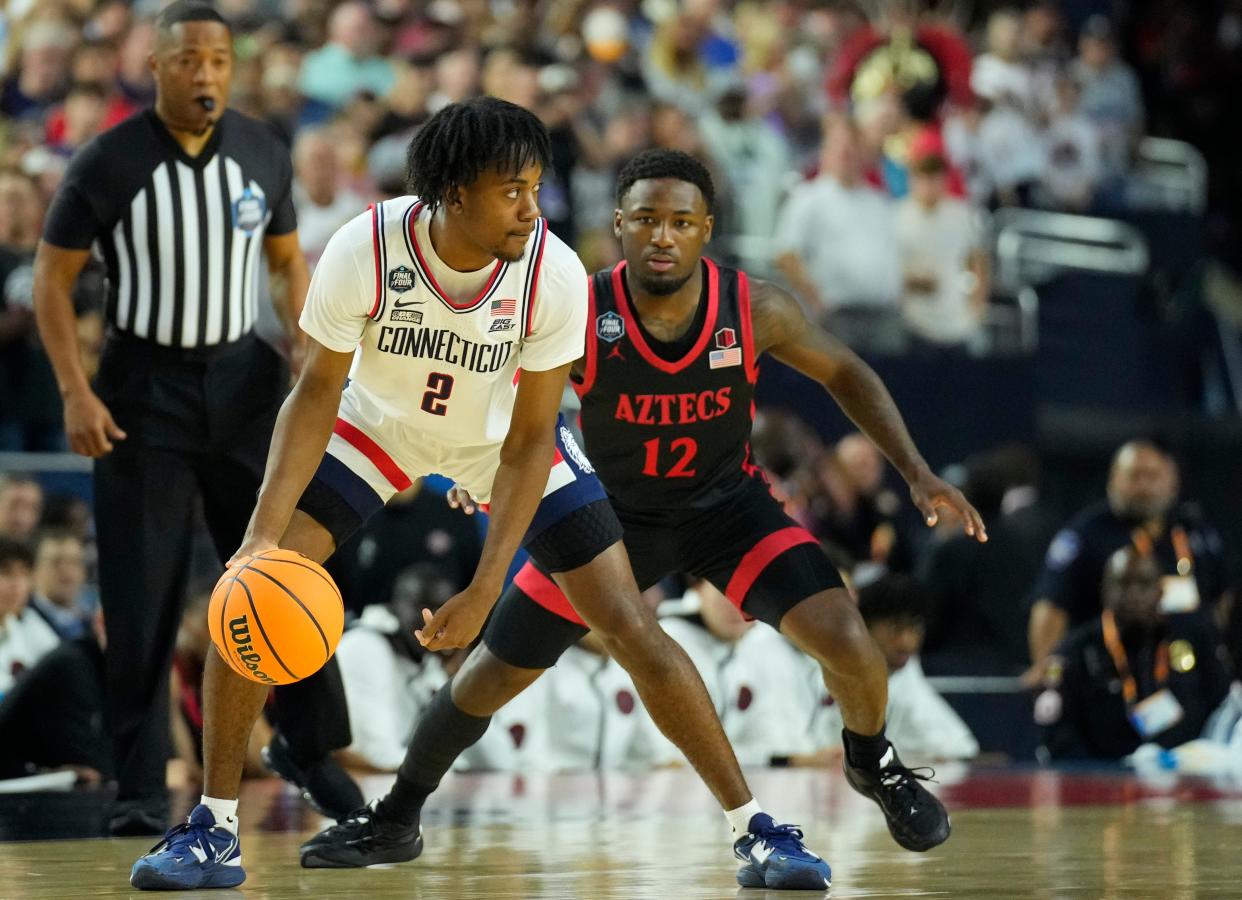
181,236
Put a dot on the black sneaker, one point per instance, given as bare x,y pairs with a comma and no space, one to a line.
916,819
362,839
141,817
324,785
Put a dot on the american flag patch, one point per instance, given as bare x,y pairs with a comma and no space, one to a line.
507,307
719,359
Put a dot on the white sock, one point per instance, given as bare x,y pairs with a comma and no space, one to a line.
225,811
740,818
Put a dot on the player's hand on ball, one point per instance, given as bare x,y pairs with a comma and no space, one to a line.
459,498
931,494
250,547
457,622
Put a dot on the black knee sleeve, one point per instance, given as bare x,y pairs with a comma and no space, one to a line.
444,732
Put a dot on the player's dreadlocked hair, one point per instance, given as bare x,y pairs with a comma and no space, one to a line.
667,164
464,140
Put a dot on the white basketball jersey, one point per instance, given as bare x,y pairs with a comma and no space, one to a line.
446,366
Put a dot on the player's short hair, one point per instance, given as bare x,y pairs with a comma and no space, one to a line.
12,551
188,11
667,164
896,598
464,140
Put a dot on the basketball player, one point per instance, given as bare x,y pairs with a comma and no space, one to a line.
430,304
667,386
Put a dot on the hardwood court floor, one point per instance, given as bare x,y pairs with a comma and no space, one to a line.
1046,835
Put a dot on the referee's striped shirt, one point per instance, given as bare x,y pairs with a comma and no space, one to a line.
181,236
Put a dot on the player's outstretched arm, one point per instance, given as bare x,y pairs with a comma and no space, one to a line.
298,443
525,458
782,329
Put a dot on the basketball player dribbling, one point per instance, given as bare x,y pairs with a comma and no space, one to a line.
430,304
667,386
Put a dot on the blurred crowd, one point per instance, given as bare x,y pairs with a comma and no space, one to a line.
857,146
858,150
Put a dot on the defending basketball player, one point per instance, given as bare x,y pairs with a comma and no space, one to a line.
667,384
430,304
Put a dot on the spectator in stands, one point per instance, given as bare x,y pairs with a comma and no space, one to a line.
322,200
349,63
389,677
1131,676
135,79
895,610
943,260
1075,162
1010,149
42,70
1141,511
84,111
836,243
21,218
1003,70
25,637
21,505
676,69
61,594
765,689
980,595
963,141
1044,51
51,692
754,159
1110,93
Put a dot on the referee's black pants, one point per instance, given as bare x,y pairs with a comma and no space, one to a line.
198,423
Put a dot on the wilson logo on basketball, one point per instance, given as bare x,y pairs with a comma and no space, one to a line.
239,628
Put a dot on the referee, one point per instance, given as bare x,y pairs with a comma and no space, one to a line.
181,200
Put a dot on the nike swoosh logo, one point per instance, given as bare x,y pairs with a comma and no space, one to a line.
221,855
397,304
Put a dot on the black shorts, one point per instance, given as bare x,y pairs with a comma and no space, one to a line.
746,546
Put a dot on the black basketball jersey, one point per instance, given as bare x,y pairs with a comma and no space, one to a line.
669,434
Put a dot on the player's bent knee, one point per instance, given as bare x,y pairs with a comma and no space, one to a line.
829,627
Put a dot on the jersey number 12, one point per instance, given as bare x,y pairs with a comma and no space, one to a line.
683,450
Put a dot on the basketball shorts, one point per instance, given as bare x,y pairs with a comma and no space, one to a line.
747,546
362,470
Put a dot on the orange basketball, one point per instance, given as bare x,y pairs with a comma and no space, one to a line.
276,618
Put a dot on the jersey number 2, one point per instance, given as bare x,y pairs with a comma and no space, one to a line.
439,386
684,449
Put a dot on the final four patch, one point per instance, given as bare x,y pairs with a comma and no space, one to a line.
249,211
400,279
610,327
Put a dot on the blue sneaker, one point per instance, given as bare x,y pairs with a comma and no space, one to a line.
195,854
776,858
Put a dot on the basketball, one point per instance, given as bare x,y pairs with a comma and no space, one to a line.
276,618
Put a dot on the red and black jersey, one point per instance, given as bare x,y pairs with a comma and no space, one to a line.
667,425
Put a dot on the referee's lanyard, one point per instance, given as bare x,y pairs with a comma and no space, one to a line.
1181,546
1112,640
